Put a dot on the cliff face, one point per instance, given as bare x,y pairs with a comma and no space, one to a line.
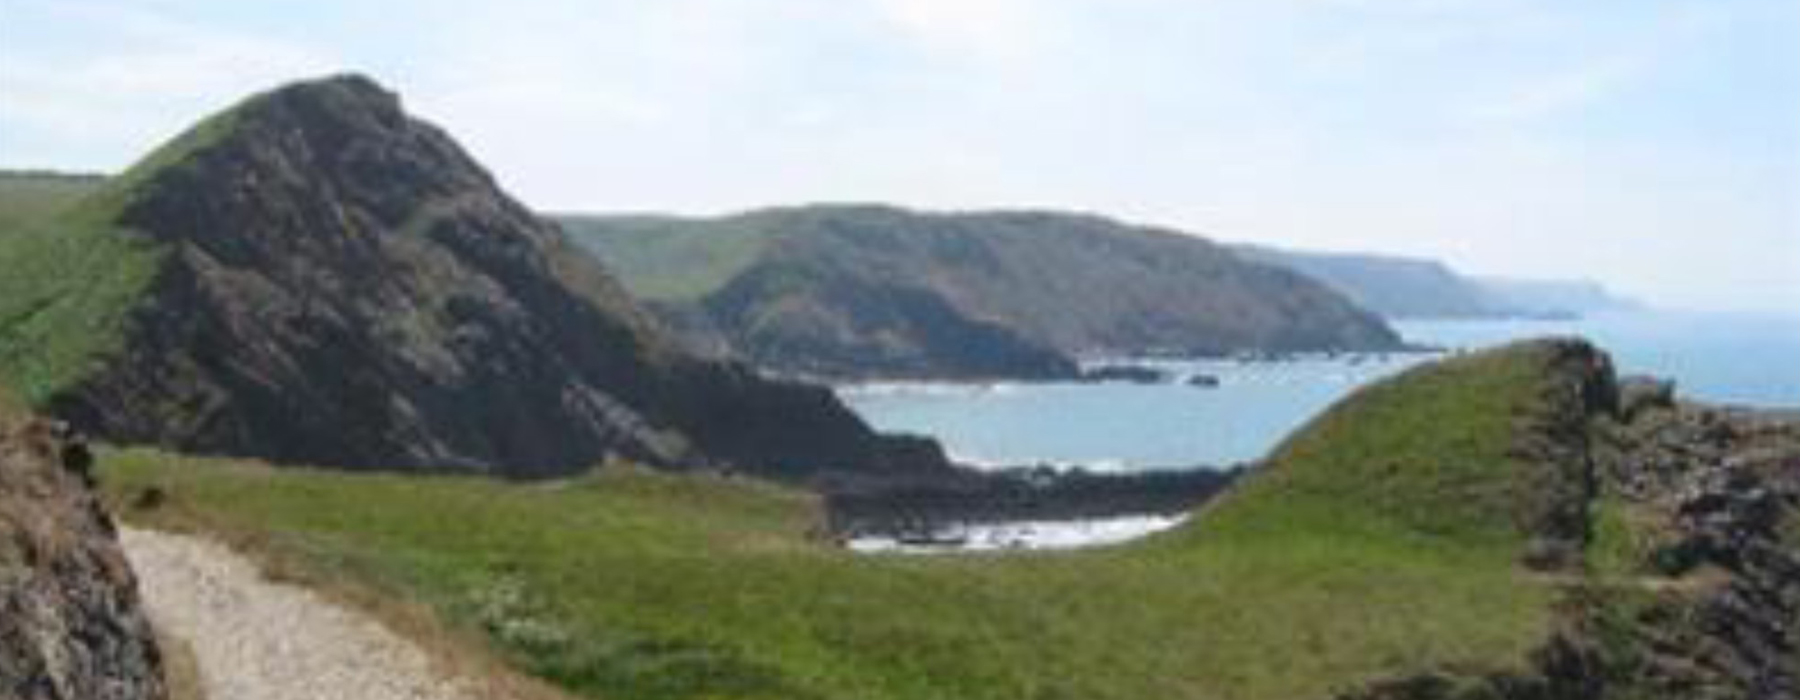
334,282
71,625
864,291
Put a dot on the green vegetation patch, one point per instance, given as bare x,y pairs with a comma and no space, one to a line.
1378,544
668,258
69,281
28,198
72,271
1431,453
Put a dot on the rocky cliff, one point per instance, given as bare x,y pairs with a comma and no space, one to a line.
875,291
315,276
71,625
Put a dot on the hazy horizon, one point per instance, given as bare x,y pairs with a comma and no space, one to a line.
1650,146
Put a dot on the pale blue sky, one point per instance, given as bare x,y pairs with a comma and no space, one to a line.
1651,144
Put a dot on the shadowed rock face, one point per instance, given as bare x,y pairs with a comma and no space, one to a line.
71,626
341,284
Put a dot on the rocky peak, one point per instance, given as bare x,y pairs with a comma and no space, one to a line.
339,283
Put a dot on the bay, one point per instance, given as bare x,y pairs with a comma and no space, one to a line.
1740,359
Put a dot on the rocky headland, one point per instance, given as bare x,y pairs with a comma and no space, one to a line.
859,292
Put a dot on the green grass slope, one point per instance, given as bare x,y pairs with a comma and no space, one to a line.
1382,541
665,258
28,197
68,276
69,272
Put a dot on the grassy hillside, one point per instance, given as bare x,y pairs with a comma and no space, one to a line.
1381,541
71,271
69,278
29,197
862,291
662,258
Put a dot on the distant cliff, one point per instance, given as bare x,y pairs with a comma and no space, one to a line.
877,291
315,276
1407,287
1544,297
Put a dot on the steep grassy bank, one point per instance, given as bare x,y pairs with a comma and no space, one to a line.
1382,542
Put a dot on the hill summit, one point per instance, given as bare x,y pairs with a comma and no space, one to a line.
315,276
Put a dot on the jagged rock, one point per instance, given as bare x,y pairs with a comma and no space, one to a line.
71,624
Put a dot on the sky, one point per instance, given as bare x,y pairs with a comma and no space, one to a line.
1653,145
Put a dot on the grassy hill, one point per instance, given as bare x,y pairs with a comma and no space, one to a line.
69,279
875,291
1382,541
669,258
28,197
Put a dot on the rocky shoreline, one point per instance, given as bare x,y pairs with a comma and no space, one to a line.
921,510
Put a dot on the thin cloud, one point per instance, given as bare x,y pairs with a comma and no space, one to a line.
154,74
1005,31
1640,142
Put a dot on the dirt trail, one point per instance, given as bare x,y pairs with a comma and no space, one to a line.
259,640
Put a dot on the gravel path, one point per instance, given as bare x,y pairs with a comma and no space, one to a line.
259,640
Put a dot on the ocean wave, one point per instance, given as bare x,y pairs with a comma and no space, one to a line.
1024,535
1098,466
946,389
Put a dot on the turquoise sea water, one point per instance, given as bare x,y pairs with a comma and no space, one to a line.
1740,359
1121,427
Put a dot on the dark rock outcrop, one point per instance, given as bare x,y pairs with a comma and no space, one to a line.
1134,374
71,625
338,283
921,508
1723,488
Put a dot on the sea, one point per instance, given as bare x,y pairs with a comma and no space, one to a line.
1743,359
1749,360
